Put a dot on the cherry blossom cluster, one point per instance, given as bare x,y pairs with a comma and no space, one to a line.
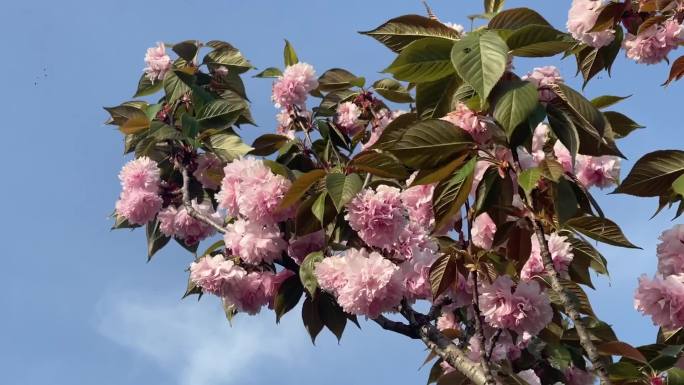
140,200
662,297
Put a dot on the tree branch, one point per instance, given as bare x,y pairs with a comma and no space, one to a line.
570,307
191,210
397,327
443,346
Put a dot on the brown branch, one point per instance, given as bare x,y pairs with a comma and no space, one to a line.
191,210
397,327
570,306
443,346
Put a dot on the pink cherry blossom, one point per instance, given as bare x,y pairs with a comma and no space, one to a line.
447,319
140,174
563,156
662,298
377,216
254,242
249,293
539,138
525,310
477,126
483,231
347,118
138,206
179,222
652,45
214,274
671,251
209,171
158,62
530,377
543,78
284,119
415,273
504,349
272,283
582,17
601,171
561,254
302,246
292,88
364,283
418,202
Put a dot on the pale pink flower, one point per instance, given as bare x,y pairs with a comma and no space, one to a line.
182,225
652,45
447,319
662,298
364,283
483,231
418,202
250,189
530,377
561,255
563,156
525,310
272,283
249,293
577,376
347,118
582,17
467,119
292,88
158,62
284,119
461,293
377,216
138,206
209,171
539,138
413,236
254,242
543,78
214,274
599,171
303,245
671,251
383,118
504,349
415,273
480,169
140,174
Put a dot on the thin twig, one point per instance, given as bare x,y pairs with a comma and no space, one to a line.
495,339
191,210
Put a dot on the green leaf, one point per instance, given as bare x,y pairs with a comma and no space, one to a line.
382,164
342,188
675,376
221,108
624,371
339,79
318,207
423,61
516,18
451,194
600,229
538,41
590,117
528,179
189,126
493,6
678,185
300,186
394,131
131,120
515,101
480,60
186,50
307,269
576,294
147,86
604,101
436,99
621,124
174,87
228,146
289,54
228,57
399,32
311,318
267,144
443,273
653,174
583,249
155,239
332,315
288,296
429,176
565,201
429,143
270,72
393,91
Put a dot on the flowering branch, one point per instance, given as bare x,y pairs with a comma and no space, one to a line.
191,210
569,306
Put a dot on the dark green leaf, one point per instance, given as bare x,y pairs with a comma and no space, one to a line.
288,296
604,101
342,188
653,174
600,229
399,32
423,60
382,164
311,318
429,143
451,194
267,144
394,131
155,239
174,87
228,146
339,79
270,72
515,101
621,124
186,50
516,18
147,87
392,90
228,57
436,99
300,186
538,41
480,60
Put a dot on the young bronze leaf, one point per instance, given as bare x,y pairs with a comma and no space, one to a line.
443,273
381,164
601,229
399,32
623,349
676,71
653,174
300,186
393,91
516,18
451,194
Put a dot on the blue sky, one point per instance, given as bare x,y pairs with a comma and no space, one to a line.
79,303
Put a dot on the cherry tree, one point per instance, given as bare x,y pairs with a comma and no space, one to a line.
450,202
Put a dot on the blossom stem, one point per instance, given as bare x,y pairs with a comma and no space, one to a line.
191,210
570,307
